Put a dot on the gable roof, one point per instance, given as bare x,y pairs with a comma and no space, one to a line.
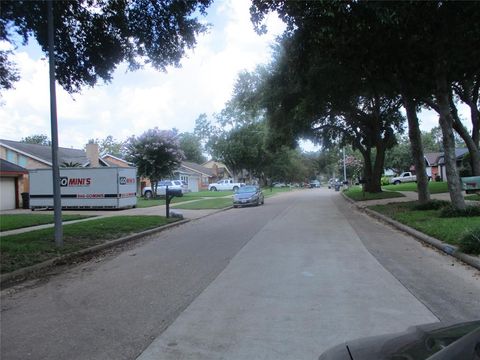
6,167
197,168
43,153
432,158
459,154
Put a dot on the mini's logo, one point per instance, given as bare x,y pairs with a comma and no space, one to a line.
74,182
123,180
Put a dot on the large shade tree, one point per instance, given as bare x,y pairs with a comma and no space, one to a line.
419,48
93,37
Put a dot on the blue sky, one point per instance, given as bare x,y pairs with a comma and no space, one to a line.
136,101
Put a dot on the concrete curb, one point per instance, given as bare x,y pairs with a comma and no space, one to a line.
438,244
8,278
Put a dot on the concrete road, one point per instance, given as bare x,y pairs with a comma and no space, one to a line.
281,281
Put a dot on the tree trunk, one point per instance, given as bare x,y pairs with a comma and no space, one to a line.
376,183
446,124
415,136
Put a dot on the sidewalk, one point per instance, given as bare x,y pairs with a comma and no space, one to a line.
98,214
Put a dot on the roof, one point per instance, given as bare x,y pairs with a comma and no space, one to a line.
11,168
459,154
432,158
43,153
197,168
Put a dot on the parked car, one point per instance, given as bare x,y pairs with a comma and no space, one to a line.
248,195
279,184
314,184
425,342
179,186
332,182
227,184
404,178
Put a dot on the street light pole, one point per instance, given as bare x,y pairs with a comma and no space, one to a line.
57,205
344,167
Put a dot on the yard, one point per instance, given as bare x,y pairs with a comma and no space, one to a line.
435,187
21,250
18,221
449,230
356,193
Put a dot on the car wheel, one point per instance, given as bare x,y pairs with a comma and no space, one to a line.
235,188
213,188
148,194
397,182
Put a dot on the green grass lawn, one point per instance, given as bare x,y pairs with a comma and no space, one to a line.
474,197
355,193
215,203
21,250
435,187
449,230
18,221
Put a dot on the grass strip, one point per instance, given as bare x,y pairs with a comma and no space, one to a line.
435,187
474,197
18,221
26,249
356,194
205,204
449,230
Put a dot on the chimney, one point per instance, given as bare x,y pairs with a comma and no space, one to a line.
92,154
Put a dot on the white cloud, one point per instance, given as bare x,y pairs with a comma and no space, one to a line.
137,101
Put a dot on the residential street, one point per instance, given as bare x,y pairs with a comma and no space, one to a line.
285,280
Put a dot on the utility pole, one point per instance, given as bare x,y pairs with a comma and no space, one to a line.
344,167
57,198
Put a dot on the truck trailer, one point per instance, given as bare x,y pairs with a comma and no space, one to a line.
85,188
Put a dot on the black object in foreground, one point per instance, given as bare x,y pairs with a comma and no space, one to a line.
425,342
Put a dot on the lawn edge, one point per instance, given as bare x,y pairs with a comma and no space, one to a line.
11,278
438,244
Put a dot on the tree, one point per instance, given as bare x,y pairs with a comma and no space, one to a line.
191,146
156,153
38,139
111,146
93,37
419,48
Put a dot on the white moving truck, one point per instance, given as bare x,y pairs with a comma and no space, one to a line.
85,188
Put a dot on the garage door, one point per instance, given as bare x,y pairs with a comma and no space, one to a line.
7,193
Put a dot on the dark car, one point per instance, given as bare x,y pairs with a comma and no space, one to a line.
248,195
424,342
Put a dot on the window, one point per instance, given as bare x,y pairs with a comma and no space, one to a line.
11,156
22,161
184,178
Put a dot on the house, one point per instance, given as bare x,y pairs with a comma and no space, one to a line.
35,156
196,176
459,155
431,160
220,170
11,182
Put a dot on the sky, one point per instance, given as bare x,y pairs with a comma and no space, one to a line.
136,101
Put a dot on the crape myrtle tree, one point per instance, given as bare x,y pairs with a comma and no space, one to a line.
155,153
419,48
93,37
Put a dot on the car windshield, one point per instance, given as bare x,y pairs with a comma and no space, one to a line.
247,189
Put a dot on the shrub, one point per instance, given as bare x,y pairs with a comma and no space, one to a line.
431,205
385,180
470,211
470,242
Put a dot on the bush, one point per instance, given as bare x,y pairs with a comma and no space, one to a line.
385,180
431,205
470,242
450,212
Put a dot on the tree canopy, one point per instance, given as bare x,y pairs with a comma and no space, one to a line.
93,37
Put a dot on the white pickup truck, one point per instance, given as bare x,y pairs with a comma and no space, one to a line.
227,184
404,178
